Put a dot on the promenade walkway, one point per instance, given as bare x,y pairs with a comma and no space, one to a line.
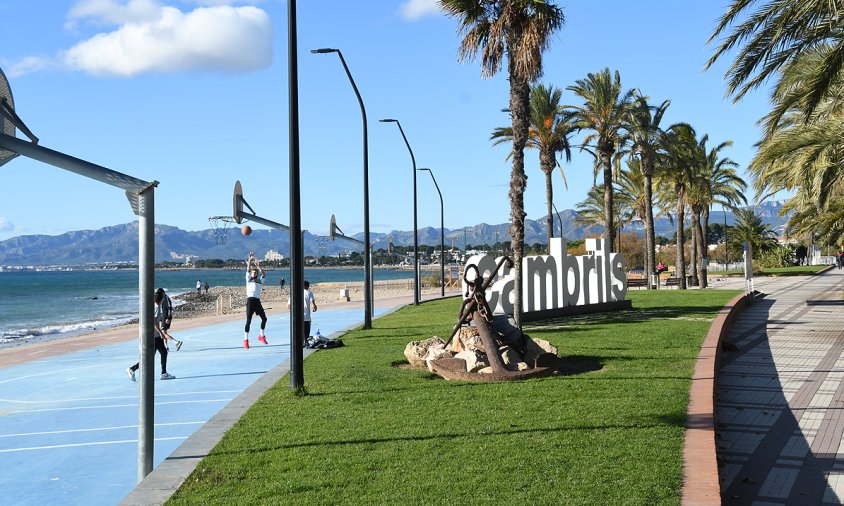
780,397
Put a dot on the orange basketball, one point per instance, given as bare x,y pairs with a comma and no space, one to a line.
246,230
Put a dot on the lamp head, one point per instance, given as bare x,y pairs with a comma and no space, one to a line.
325,50
424,168
389,120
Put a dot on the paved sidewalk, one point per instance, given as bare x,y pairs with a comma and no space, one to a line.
780,397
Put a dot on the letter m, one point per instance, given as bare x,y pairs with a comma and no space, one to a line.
539,270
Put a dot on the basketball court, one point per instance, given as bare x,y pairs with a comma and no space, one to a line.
68,430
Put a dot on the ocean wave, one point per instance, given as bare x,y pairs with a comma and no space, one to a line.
63,330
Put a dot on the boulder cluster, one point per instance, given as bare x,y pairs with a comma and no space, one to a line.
518,351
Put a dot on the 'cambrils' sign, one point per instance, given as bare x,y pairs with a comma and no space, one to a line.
559,283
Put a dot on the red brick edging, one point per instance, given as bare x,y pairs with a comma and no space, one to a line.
700,466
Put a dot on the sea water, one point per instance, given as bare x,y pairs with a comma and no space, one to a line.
54,304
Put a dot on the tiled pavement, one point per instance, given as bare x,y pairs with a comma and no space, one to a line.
780,397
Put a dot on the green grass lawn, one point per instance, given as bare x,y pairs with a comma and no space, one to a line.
368,432
798,270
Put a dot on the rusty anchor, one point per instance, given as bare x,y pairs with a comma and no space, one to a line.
476,309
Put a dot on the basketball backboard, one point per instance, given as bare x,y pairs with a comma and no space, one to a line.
237,210
332,228
8,104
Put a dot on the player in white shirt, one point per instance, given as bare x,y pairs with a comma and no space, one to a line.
254,282
310,305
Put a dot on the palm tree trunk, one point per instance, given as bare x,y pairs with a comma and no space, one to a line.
519,105
704,259
680,269
696,253
606,161
650,239
547,167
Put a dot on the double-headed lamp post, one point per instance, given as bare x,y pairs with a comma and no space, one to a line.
367,261
442,234
416,290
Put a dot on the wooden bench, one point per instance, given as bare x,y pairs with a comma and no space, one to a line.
637,283
672,282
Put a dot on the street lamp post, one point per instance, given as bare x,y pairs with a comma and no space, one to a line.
297,260
367,261
415,230
442,234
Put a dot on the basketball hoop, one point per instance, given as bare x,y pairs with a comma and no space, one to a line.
221,225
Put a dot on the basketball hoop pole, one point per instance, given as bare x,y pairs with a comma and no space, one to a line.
141,197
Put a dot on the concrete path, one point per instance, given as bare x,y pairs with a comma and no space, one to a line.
780,397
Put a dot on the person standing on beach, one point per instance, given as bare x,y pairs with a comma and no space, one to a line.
282,283
310,305
159,340
206,288
167,319
198,286
254,282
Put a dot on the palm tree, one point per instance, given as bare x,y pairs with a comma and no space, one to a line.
590,211
549,133
800,150
749,228
522,30
604,112
646,138
632,202
681,149
721,185
773,36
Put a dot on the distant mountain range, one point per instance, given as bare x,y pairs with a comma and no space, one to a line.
119,243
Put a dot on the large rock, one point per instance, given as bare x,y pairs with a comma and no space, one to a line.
465,339
535,347
511,334
474,361
435,353
510,357
416,352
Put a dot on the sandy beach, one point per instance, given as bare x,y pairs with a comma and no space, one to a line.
223,304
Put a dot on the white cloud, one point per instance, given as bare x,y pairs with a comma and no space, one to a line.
153,38
29,65
412,10
114,13
6,225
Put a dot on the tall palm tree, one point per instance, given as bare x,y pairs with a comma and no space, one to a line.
773,36
647,140
721,185
549,133
681,149
522,30
632,201
604,112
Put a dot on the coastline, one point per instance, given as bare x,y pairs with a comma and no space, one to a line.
197,311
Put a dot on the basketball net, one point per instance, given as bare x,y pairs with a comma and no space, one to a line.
220,225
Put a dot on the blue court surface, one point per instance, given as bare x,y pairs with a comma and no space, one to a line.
68,424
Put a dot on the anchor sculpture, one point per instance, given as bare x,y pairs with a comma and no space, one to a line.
476,309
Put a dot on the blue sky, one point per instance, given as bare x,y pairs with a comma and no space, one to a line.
194,94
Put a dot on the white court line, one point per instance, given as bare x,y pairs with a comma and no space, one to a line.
51,373
119,427
133,441
133,405
119,397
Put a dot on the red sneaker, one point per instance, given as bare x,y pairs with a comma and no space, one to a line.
263,339
246,343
